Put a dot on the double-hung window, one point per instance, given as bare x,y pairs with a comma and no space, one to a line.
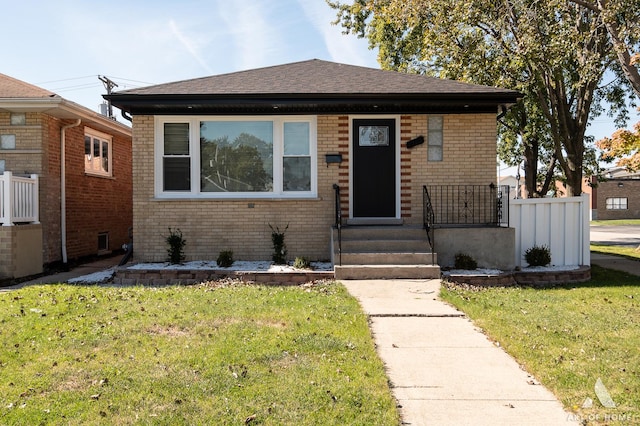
236,157
97,153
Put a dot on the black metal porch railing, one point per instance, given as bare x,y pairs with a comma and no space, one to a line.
338,221
427,220
468,205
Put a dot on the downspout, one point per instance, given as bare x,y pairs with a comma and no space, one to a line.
63,190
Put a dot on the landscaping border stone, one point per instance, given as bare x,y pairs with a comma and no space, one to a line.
523,278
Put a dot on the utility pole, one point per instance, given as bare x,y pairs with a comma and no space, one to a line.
109,85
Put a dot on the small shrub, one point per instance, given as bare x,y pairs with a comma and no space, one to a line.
279,247
225,259
465,261
301,263
176,246
538,256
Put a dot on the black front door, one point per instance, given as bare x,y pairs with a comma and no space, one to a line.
374,168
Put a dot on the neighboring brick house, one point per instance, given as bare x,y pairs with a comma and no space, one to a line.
97,212
223,157
616,196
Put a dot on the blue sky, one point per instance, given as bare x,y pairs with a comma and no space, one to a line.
63,45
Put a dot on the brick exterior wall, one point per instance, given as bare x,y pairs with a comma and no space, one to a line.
630,190
94,204
468,158
97,204
210,226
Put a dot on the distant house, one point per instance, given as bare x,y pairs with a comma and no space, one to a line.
65,180
516,186
616,195
313,145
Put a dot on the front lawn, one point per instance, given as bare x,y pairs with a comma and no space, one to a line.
201,354
569,337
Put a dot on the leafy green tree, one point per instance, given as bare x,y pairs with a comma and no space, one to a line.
556,52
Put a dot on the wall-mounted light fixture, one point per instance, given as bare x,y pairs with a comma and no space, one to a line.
333,158
620,184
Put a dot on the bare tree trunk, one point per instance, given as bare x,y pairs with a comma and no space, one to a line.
531,167
548,180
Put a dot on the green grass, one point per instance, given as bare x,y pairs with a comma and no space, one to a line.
189,355
615,222
630,252
569,336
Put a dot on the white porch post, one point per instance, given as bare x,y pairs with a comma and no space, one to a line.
36,198
7,197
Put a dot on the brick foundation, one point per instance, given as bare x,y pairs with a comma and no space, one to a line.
154,277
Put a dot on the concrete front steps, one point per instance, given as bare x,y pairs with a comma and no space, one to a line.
383,252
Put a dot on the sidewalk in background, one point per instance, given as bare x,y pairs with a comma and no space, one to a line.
619,263
96,267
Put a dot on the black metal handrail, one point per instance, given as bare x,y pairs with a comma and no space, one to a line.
427,220
338,221
469,205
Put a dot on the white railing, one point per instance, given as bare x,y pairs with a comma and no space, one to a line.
562,224
18,199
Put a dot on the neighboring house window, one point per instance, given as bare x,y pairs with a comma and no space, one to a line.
97,153
617,203
435,138
18,119
8,141
236,157
2,166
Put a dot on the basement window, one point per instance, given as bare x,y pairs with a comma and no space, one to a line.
103,242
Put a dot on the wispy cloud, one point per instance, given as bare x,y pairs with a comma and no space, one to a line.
253,37
342,48
189,45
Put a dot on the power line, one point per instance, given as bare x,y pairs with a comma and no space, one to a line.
128,79
67,79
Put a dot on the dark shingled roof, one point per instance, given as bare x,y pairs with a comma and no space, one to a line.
11,88
312,86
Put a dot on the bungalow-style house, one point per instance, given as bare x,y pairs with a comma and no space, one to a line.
65,181
355,163
616,195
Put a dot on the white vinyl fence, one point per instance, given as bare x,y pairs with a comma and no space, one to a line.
562,224
18,199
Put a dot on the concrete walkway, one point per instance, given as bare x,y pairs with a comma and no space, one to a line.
624,264
442,369
79,271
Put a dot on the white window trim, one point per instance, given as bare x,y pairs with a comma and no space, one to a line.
104,137
615,203
194,155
